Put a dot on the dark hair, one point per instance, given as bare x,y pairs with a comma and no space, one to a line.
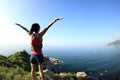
35,28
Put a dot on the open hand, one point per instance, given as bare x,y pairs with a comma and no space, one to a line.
17,24
58,19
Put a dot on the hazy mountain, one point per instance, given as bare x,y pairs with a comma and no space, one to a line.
114,43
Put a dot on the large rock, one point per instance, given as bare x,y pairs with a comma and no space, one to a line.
81,75
48,72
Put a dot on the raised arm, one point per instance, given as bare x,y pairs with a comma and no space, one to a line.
47,27
23,28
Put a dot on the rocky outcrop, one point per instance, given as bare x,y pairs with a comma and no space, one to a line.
51,64
55,61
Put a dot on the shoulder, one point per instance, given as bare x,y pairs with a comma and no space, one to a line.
40,34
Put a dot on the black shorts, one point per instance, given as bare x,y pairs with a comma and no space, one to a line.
36,58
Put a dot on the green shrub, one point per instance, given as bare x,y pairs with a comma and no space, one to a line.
67,76
14,74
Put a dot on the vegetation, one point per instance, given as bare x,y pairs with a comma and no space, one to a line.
20,74
4,61
20,59
13,74
17,67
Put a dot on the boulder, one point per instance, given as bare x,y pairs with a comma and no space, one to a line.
48,72
81,75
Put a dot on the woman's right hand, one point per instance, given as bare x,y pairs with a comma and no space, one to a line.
56,19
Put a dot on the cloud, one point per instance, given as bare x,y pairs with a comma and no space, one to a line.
117,35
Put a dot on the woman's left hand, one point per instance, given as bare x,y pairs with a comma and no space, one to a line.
17,24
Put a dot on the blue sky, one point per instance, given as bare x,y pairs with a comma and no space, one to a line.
85,23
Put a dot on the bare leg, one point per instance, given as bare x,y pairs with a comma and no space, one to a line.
33,66
41,71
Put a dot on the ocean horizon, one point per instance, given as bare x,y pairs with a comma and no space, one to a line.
95,60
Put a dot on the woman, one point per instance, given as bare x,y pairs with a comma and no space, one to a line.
36,44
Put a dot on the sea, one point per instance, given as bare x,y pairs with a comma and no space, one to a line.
103,60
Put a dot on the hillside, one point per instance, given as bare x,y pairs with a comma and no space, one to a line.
17,67
18,59
4,61
114,43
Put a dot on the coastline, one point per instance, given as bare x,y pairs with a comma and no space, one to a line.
57,69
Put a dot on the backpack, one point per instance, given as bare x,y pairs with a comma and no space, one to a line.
35,42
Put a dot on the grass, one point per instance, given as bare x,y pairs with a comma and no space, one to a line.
20,74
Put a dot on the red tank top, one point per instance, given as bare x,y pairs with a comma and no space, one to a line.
36,44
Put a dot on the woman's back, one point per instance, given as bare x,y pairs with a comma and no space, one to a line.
36,43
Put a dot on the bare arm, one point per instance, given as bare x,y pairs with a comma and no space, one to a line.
23,28
47,27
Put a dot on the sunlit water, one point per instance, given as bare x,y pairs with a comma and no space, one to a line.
103,60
